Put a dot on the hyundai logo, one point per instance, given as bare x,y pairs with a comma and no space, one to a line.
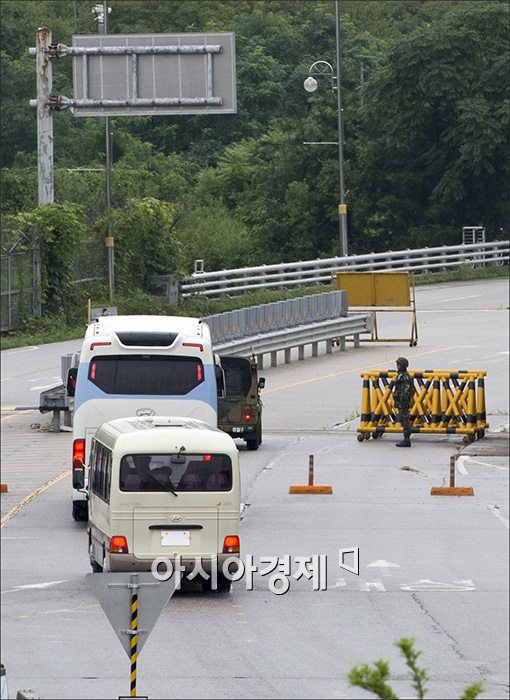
145,412
175,518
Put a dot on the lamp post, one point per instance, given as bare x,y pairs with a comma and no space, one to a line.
326,69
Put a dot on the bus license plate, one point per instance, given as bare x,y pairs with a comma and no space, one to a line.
175,537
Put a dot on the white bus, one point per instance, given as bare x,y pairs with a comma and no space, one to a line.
163,487
140,366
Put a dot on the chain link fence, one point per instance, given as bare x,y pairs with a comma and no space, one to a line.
20,275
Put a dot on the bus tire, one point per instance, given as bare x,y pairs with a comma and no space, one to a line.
224,584
96,568
80,511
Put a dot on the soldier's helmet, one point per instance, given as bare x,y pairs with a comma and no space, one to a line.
402,362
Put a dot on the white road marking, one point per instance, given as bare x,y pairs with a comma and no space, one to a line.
502,428
382,562
442,301
466,458
486,464
495,511
425,584
460,464
40,388
47,584
504,352
377,585
339,583
384,566
16,352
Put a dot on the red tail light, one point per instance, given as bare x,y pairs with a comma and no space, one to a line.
96,345
200,375
78,453
194,345
248,412
118,545
231,544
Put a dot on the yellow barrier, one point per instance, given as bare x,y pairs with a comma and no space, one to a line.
444,401
378,292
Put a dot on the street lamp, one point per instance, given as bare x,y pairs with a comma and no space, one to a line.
323,68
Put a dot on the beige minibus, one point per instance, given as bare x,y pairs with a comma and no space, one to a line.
162,487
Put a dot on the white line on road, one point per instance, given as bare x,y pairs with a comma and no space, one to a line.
442,301
495,511
16,352
466,458
47,584
38,388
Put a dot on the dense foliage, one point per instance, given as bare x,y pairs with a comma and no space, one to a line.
425,92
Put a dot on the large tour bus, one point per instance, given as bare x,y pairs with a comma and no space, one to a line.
140,366
163,487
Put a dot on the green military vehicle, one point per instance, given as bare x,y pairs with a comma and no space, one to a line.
240,409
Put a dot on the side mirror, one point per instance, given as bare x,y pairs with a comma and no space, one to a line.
220,380
71,381
79,478
261,383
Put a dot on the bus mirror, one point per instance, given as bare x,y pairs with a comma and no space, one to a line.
79,478
220,380
71,381
261,383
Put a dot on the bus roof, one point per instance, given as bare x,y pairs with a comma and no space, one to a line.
164,434
105,325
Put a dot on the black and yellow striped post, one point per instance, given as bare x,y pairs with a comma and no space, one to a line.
134,633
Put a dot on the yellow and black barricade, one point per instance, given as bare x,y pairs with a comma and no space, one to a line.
444,401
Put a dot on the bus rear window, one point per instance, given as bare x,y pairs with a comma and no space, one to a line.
146,374
166,472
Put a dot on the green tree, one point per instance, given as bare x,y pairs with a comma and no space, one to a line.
145,243
437,126
55,229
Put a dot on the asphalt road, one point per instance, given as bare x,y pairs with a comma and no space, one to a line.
432,568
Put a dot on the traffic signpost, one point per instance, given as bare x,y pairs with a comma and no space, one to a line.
132,603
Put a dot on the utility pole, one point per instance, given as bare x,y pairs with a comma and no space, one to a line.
45,180
342,207
101,13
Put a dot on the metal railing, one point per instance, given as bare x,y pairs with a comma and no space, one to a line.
319,272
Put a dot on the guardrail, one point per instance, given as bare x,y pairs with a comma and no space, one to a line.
332,332
319,272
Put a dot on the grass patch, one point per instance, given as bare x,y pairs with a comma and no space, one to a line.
57,328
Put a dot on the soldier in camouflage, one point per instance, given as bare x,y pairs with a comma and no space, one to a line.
403,397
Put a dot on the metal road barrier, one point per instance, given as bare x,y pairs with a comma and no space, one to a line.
332,332
279,276
266,318
444,401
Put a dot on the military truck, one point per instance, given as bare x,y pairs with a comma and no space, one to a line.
240,409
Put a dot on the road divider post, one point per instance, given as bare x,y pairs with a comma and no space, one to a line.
311,487
452,490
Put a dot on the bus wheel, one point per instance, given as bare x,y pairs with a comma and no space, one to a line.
106,566
80,511
224,584
96,568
